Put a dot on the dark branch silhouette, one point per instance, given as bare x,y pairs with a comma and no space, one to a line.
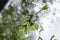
2,4
38,12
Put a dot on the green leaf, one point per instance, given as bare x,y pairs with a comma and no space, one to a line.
45,7
52,37
24,22
28,25
34,27
21,28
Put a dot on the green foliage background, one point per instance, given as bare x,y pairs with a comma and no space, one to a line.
15,25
